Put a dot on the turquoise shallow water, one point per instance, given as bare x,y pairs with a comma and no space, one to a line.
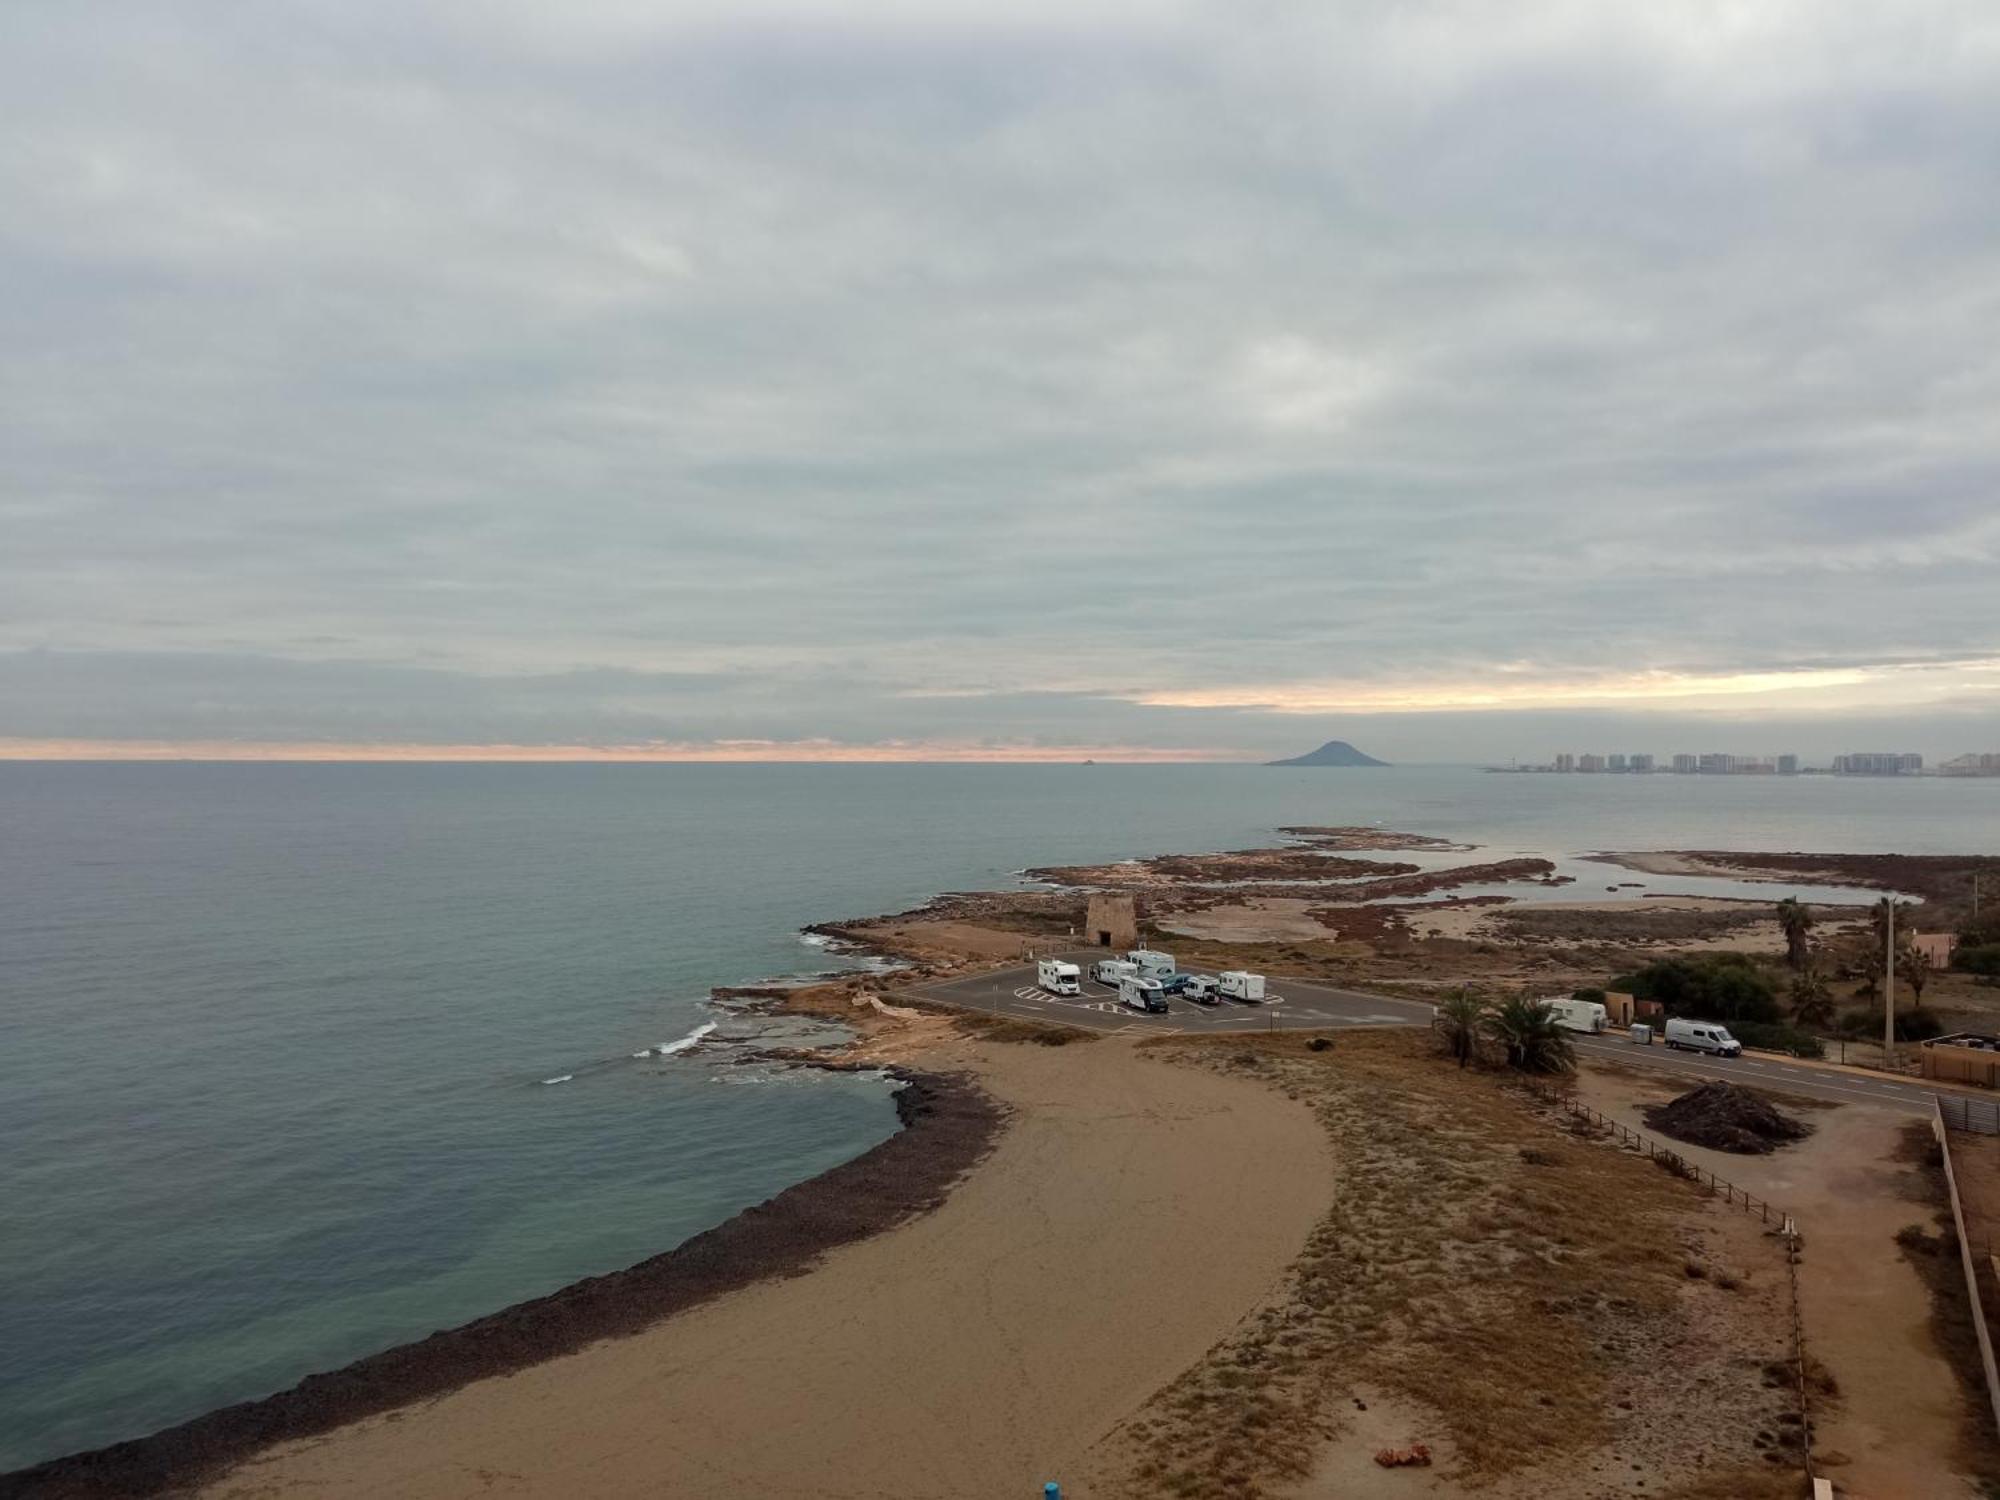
273,1037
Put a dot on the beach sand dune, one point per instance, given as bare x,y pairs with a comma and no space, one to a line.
1130,1215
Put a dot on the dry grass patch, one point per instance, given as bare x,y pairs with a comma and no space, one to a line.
1526,1286
1013,1029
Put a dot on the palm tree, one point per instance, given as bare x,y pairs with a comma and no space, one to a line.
1528,1030
1878,919
1796,918
1461,1016
1916,968
1812,999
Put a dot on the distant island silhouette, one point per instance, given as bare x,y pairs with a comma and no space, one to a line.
1332,753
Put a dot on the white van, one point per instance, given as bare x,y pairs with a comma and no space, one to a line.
1711,1037
1238,984
1059,978
1112,971
1142,994
1202,989
1150,963
1579,1015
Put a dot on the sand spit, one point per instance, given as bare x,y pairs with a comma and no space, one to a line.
950,1123
1128,1215
1935,877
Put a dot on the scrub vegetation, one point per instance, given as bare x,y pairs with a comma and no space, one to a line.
1520,1283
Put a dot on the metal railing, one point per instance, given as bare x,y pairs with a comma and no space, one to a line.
1974,1116
1987,1363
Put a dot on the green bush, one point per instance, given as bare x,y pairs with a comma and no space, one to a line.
1728,987
1911,1025
1983,960
1982,931
1778,1037
1594,997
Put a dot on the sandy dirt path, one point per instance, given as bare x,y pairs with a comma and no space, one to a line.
1867,1312
1131,1213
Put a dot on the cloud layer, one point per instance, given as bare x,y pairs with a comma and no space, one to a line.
1095,374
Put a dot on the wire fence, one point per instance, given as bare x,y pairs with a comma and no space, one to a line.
1670,1160
1673,1161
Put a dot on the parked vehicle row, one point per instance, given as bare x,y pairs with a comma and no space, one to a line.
1145,977
1591,1018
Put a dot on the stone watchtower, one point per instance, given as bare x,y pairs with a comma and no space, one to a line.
1112,920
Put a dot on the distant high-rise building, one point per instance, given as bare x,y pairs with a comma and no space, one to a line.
1616,763
1590,763
1754,768
1788,765
1877,763
1642,763
1565,762
1717,764
1986,764
1686,765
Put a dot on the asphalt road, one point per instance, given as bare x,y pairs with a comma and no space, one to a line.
1296,1005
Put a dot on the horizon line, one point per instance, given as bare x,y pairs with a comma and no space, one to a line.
723,752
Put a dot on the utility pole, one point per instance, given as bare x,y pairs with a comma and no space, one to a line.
1889,981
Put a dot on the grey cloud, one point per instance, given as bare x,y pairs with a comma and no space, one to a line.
834,358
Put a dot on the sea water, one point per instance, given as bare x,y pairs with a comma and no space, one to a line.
301,1061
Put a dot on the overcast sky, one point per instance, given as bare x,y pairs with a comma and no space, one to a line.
1457,379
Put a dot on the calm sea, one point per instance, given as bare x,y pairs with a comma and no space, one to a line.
276,1041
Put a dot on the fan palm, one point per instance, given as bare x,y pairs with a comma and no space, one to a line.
1812,999
1796,918
1528,1030
1461,1016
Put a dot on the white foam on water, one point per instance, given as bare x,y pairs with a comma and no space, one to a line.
559,1078
692,1039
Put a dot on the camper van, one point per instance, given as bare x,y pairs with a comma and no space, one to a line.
1200,988
1150,963
1703,1036
1112,971
1579,1015
1059,978
1142,994
1237,984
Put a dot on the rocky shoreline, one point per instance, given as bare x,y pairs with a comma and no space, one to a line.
949,1124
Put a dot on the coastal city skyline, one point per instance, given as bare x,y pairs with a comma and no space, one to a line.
1728,763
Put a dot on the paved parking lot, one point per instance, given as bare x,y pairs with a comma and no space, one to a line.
1295,1005
1289,1005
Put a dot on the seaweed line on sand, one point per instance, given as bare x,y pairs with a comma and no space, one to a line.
949,1125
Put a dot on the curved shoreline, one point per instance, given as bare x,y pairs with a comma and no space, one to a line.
949,1124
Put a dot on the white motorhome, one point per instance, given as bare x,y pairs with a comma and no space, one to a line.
1111,971
1239,984
1711,1037
1579,1015
1202,989
1150,963
1058,977
1142,994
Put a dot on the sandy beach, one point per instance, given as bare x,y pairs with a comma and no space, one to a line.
1130,1215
